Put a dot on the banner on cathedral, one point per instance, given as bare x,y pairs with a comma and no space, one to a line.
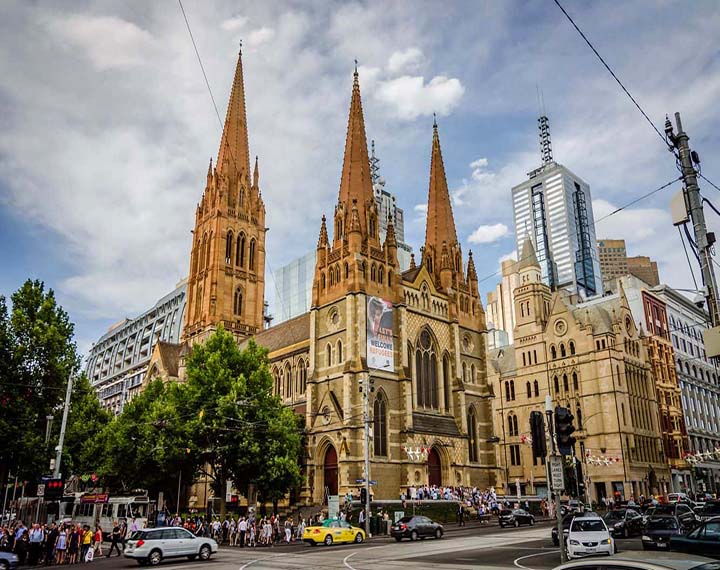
380,334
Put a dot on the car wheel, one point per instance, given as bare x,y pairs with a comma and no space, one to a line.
328,540
398,538
205,552
155,558
438,533
4,565
358,538
414,535
517,523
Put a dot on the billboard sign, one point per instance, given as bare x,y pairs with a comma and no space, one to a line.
380,354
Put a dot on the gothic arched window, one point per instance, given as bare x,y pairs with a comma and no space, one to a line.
536,388
229,247
529,390
339,352
562,350
426,371
238,301
251,256
207,251
553,352
288,382
372,226
575,381
472,374
380,420
447,380
566,386
328,355
381,275
347,270
472,436
373,272
572,347
556,383
240,251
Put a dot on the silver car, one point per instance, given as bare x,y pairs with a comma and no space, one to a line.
152,545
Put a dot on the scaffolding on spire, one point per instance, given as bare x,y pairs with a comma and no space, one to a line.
545,144
374,164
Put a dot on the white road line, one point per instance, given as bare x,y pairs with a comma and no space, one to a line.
516,561
263,559
345,561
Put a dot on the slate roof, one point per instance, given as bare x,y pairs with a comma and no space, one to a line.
433,424
285,334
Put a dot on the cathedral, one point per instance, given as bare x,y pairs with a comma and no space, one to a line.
416,338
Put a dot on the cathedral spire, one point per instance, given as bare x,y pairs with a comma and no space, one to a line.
356,181
323,239
234,153
256,174
440,222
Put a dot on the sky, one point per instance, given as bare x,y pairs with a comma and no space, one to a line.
107,127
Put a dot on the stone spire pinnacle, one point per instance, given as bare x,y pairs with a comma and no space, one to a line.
471,272
527,256
323,239
356,181
234,153
440,222
256,174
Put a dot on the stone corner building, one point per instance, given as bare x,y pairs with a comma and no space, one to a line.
591,358
433,394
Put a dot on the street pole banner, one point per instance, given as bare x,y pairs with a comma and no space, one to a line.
380,355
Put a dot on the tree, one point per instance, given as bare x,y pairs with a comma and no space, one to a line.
84,444
37,355
240,430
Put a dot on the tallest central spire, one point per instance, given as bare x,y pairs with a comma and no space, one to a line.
234,153
356,181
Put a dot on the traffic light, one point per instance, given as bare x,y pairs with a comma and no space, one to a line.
537,431
363,495
564,429
54,489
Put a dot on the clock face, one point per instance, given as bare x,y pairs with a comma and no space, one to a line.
560,327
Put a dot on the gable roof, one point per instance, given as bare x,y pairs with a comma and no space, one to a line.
285,334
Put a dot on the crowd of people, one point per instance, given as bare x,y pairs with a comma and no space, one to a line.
50,544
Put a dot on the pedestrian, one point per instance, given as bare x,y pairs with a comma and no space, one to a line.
114,539
50,543
123,533
253,530
36,539
73,546
87,535
242,525
22,545
98,540
300,529
61,545
288,530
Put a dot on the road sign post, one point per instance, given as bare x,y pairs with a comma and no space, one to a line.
557,477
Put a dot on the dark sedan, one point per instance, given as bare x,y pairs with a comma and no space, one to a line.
516,517
416,526
704,540
710,510
624,522
8,561
659,530
566,528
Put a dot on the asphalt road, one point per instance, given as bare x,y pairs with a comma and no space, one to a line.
472,547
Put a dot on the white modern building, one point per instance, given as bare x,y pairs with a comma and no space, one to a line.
554,208
118,361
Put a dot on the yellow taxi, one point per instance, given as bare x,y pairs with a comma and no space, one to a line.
332,531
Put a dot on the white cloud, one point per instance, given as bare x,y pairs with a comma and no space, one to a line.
420,209
410,97
260,36
107,41
488,233
513,255
234,24
405,61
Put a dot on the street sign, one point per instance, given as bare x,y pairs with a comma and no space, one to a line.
41,490
362,481
557,478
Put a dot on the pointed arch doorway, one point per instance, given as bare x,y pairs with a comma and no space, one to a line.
330,471
434,468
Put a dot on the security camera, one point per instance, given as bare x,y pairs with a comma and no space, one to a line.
699,299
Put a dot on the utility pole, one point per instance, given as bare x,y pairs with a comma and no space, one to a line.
687,158
63,425
559,518
366,419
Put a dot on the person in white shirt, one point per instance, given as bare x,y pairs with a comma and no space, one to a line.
243,526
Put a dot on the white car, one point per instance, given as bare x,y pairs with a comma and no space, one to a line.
589,536
152,545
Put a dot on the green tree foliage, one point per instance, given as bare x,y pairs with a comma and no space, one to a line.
37,356
238,427
84,444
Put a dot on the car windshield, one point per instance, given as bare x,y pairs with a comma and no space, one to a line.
405,520
662,523
587,525
615,515
711,509
137,535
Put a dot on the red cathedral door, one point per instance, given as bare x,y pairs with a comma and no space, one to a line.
434,468
331,471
